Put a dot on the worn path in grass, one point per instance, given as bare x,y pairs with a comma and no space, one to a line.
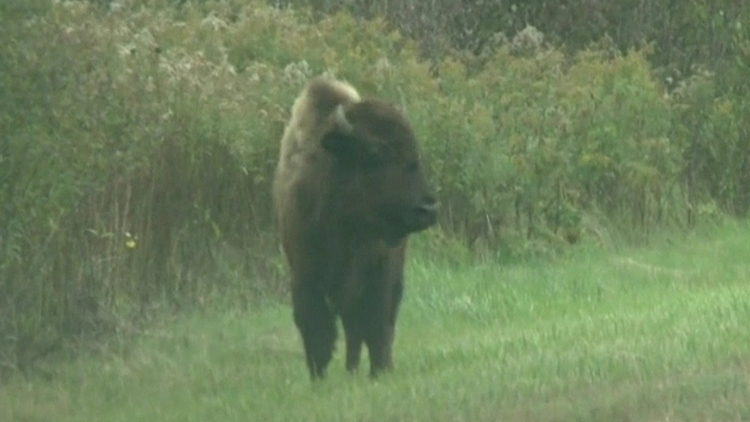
658,333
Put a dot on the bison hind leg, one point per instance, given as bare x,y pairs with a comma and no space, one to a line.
317,325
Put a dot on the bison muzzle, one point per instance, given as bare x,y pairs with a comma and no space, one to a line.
349,189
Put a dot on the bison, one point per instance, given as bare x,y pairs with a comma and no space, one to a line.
348,190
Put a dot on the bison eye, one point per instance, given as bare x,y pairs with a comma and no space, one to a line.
372,160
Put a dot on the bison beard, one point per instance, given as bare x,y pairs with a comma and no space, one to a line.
348,190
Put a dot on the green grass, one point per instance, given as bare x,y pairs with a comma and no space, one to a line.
657,333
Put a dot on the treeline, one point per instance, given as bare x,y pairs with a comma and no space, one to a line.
684,33
138,140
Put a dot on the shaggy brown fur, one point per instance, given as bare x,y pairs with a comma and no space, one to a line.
348,190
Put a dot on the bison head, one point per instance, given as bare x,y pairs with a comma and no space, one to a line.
377,171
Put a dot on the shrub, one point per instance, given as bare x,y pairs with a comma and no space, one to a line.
139,140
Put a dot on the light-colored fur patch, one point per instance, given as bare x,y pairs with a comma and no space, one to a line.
302,136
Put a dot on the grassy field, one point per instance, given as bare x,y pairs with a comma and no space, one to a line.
656,333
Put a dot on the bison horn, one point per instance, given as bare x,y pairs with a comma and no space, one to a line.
341,121
430,207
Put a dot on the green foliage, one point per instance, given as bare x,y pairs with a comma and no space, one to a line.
546,139
128,158
139,139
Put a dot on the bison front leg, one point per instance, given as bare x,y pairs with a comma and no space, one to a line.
317,325
353,332
379,344
379,323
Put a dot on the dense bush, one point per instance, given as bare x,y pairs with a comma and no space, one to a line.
139,139
684,33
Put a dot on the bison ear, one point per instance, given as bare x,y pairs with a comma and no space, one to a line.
339,141
339,144
345,145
